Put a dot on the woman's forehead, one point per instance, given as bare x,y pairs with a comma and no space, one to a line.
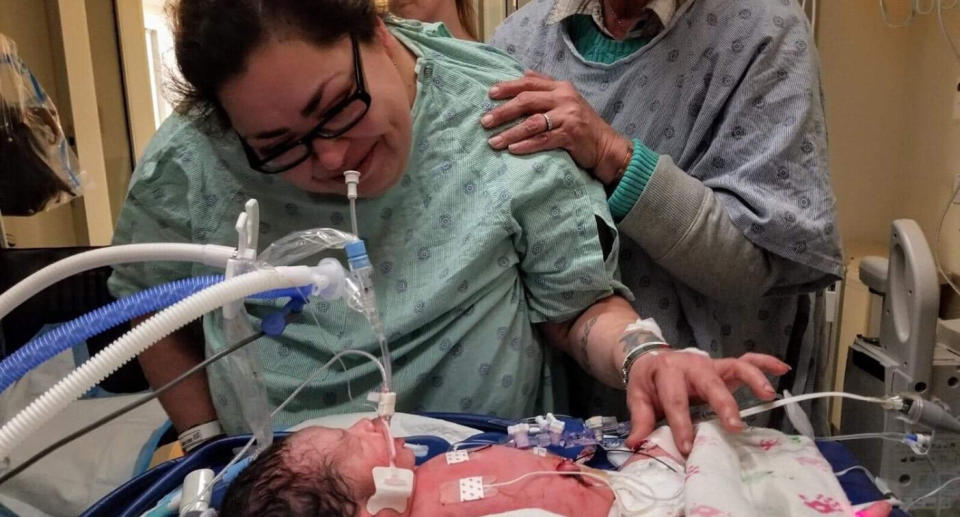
281,81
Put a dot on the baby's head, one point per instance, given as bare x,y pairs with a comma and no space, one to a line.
314,472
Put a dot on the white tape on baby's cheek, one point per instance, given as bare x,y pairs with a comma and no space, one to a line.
539,451
454,457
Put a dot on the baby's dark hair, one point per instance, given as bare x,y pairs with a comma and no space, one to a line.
269,487
214,38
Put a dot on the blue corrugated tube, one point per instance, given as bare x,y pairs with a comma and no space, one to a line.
49,344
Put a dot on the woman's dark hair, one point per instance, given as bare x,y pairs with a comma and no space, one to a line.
27,183
214,39
268,487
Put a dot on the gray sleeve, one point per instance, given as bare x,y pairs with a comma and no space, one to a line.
685,228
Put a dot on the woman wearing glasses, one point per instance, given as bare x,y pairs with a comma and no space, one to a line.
471,255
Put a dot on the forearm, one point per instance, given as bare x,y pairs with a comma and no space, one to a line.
189,403
593,339
692,222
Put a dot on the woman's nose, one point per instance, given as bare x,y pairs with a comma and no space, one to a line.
331,153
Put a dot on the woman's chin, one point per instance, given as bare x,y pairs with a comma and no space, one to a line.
378,184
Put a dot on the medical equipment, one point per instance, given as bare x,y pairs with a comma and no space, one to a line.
352,178
245,377
206,254
49,344
193,499
244,275
393,489
325,277
940,5
911,351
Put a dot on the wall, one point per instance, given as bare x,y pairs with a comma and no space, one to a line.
894,148
862,73
932,137
110,100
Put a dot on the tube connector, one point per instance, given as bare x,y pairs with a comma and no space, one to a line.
356,255
919,443
595,425
329,279
352,178
520,435
194,498
386,405
921,411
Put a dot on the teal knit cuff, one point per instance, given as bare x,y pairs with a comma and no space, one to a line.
639,171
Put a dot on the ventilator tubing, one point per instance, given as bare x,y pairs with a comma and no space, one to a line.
41,348
297,246
209,254
149,332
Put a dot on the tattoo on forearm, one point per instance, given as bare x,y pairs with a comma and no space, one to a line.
584,341
635,339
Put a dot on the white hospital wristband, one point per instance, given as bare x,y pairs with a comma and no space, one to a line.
195,436
646,348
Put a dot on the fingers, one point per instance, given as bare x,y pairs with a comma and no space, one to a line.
527,103
642,416
535,125
532,81
539,142
538,75
713,390
672,387
738,371
767,363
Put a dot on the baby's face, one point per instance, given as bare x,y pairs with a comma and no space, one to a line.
354,450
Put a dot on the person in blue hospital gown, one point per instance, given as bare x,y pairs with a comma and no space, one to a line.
472,247
704,120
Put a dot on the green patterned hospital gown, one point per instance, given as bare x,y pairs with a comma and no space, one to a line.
471,248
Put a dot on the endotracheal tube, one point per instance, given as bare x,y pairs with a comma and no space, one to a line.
361,271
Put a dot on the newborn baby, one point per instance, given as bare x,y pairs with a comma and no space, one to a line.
323,471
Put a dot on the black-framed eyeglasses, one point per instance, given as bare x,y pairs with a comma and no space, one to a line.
335,122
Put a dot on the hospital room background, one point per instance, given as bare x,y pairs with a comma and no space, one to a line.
892,91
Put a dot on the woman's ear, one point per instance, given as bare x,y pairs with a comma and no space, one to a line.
390,45
381,31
